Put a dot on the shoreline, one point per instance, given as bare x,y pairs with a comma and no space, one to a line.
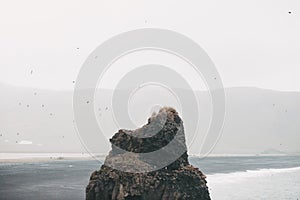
36,160
48,157
44,157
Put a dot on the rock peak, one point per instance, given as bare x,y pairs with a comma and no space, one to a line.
133,149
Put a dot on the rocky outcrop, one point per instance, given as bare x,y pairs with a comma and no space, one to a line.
129,173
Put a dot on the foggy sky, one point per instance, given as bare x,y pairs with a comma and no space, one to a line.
252,43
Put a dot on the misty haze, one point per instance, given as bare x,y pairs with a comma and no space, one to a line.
158,100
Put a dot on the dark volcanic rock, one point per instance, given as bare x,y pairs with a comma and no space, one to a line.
178,180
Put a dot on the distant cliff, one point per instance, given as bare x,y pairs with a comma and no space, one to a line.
271,118
178,180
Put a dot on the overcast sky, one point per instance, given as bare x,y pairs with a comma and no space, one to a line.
252,43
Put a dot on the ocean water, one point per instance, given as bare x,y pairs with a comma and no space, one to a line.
229,178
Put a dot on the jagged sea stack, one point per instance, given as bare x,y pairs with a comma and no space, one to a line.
178,180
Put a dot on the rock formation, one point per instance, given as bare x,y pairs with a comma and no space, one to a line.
128,175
